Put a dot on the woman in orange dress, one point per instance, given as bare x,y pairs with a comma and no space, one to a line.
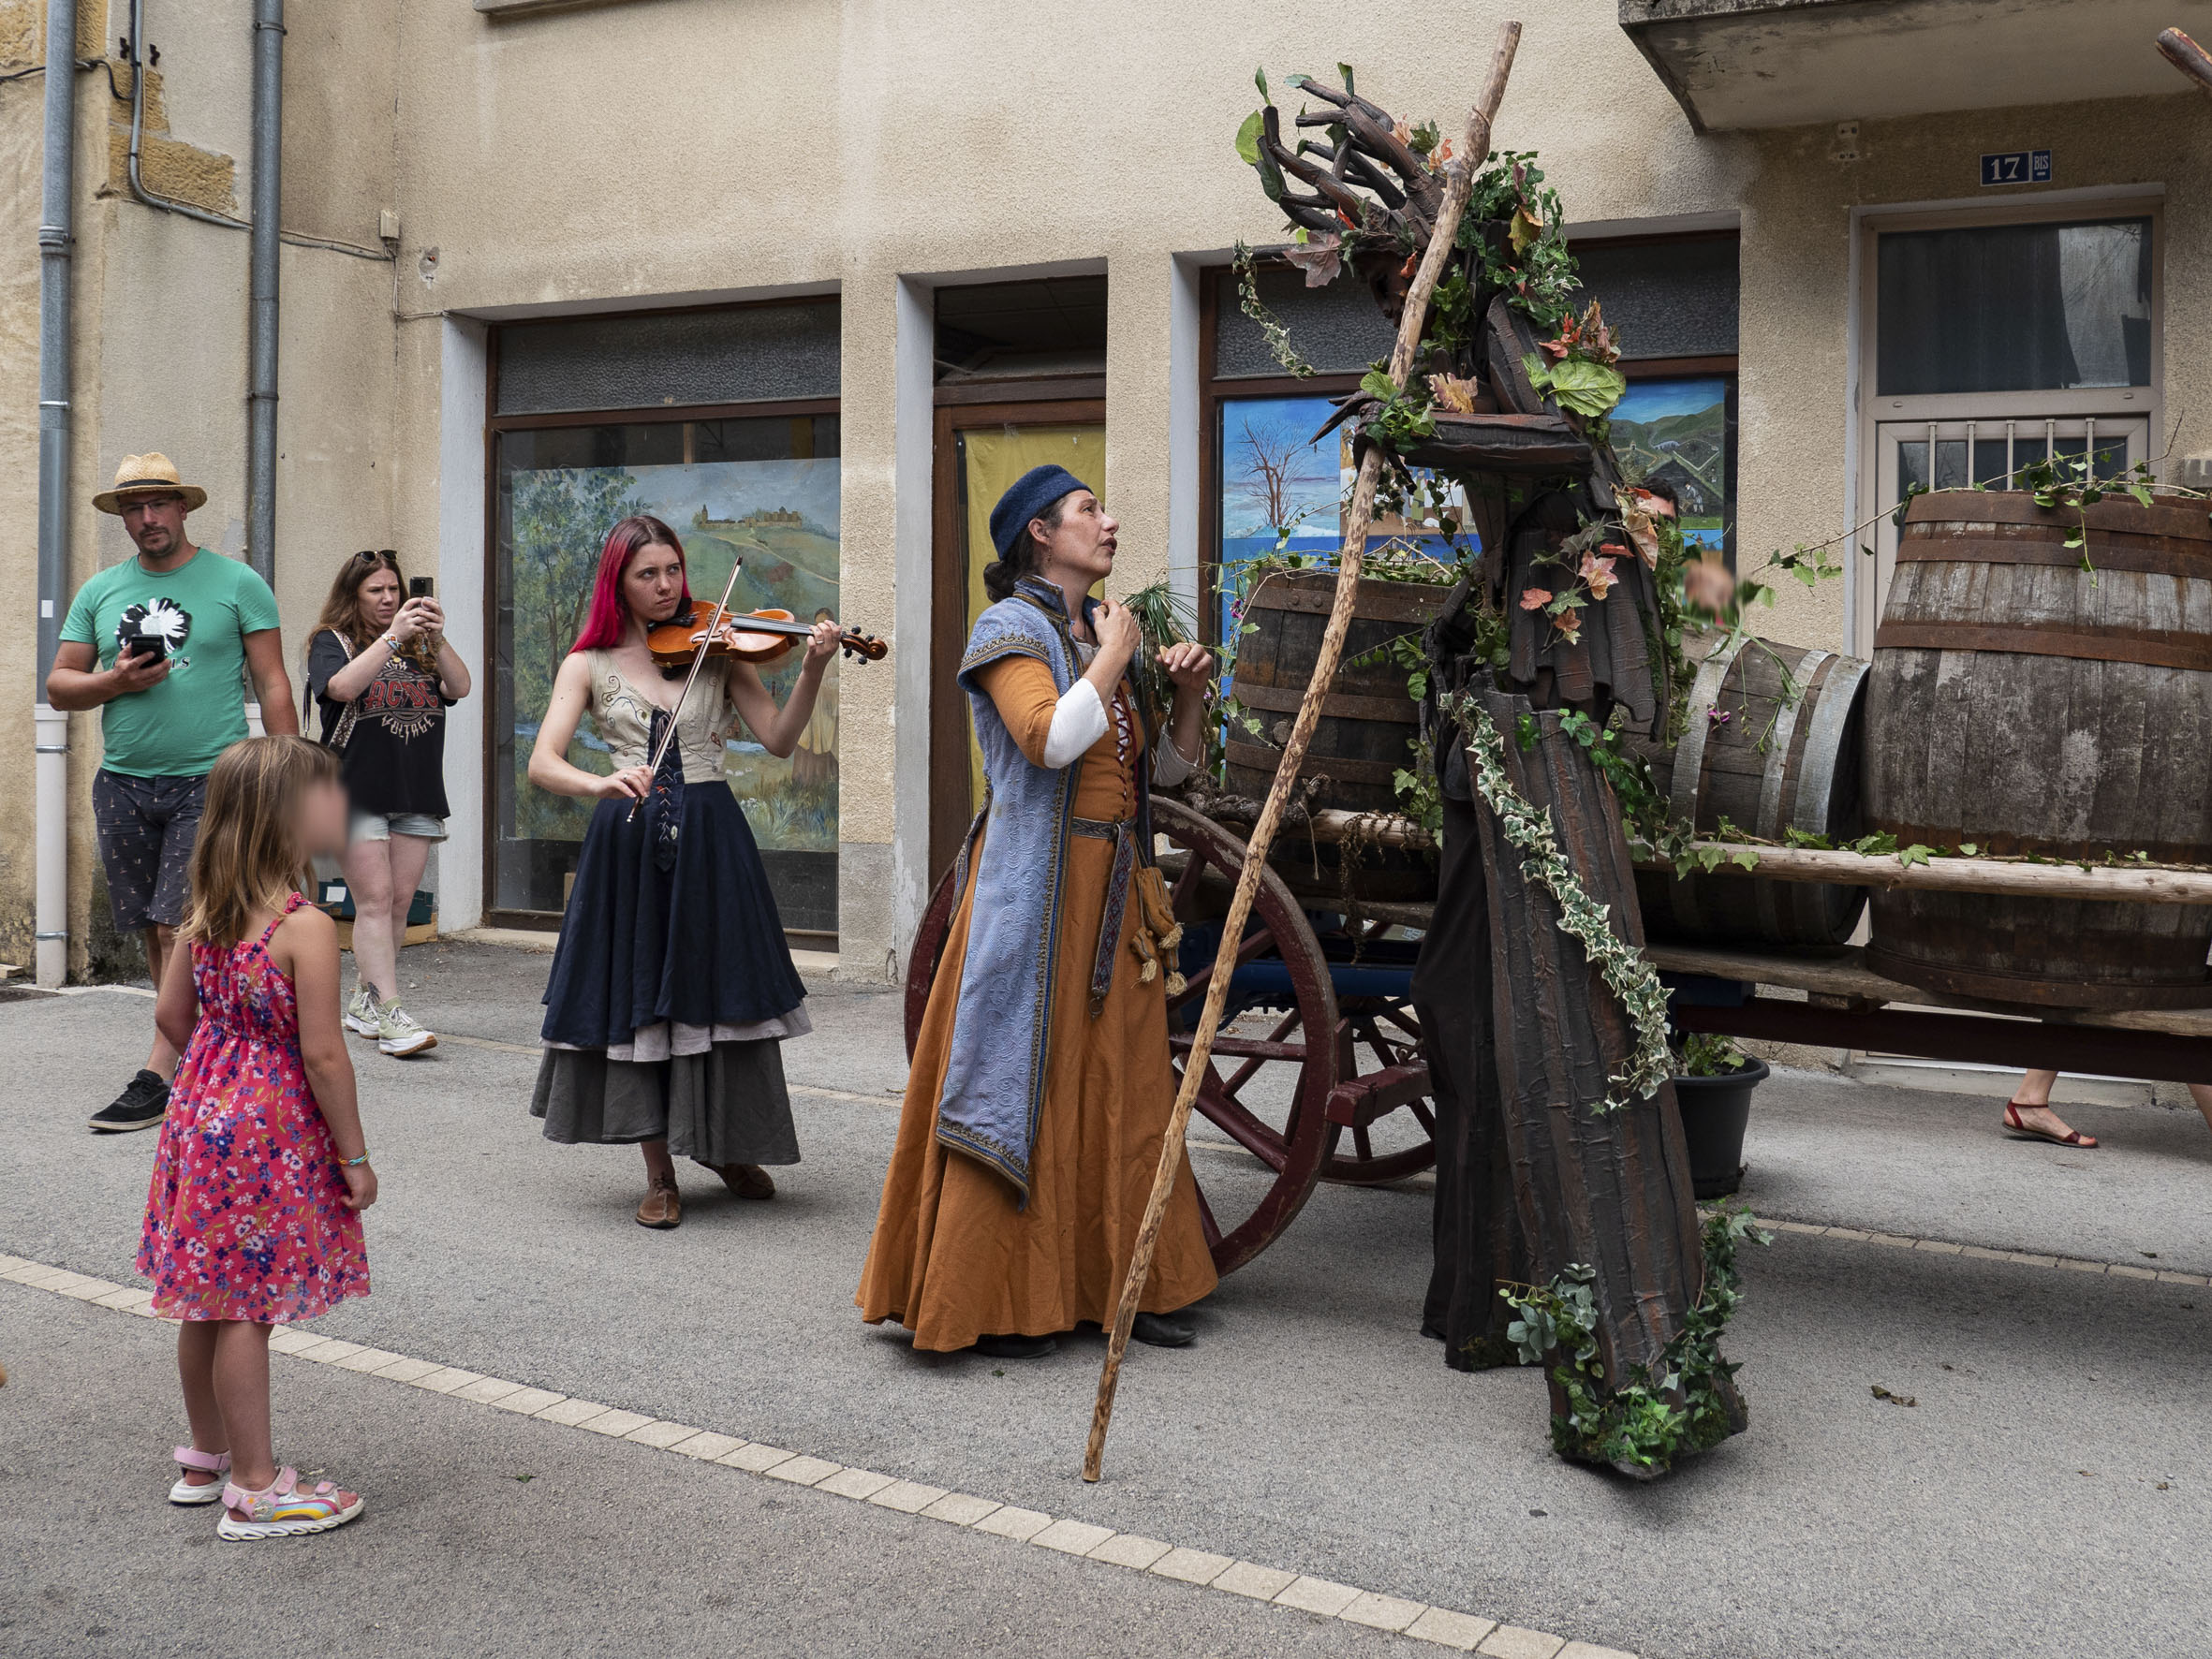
1041,1086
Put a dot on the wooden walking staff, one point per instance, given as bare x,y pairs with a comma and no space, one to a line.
1474,148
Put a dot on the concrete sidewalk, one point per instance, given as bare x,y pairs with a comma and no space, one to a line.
2044,1497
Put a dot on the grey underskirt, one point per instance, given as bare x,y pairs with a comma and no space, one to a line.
725,1106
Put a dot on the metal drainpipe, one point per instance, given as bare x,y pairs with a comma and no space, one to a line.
56,222
260,467
262,307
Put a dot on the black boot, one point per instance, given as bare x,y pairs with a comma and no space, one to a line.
1016,1348
1163,1330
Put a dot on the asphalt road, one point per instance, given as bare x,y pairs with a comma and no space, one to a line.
2046,1495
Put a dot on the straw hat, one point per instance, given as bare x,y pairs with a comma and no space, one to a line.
144,475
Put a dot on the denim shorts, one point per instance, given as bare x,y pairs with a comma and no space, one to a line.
384,826
146,828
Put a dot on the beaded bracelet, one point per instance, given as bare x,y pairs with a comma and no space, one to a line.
353,1163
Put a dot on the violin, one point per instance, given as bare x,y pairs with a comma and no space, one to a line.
751,637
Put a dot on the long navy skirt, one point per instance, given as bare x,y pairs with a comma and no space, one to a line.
671,992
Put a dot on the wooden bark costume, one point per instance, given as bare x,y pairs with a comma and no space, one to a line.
1522,1033
1041,1085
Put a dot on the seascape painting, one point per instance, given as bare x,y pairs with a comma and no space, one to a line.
778,520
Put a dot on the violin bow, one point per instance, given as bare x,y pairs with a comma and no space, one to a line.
706,637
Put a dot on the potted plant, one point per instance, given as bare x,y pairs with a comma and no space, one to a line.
1713,1084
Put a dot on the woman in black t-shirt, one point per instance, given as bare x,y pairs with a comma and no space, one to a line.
381,668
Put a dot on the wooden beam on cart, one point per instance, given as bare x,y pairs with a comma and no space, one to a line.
1843,974
1989,1039
2140,884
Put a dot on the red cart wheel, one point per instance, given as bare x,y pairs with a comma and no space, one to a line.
1269,1091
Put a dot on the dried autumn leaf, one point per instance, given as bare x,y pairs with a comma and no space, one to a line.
1597,572
1320,258
1641,532
1453,393
1535,598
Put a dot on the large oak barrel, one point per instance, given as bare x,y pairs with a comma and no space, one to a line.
1368,724
2029,706
1768,762
1366,735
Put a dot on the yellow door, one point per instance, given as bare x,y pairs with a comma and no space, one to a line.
991,459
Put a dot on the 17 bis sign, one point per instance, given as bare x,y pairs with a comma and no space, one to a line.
2017,166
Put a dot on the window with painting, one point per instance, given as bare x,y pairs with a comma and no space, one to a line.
1273,485
723,423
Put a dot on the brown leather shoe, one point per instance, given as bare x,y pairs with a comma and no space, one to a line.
663,1206
745,1180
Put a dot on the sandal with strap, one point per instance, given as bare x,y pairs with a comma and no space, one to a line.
283,1510
2021,1131
200,1462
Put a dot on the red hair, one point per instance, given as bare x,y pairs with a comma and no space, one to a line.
610,612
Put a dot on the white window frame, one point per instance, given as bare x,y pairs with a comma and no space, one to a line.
1868,411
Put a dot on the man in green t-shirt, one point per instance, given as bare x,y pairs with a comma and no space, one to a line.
161,645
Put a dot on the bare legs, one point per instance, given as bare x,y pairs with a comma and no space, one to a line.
159,942
660,1170
382,876
224,1367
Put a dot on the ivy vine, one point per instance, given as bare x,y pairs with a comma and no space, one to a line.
1645,1419
1624,968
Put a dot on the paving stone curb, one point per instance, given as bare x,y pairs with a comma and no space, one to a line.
1084,1540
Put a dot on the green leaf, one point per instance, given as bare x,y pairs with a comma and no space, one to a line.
1709,858
1588,388
1966,849
1270,178
1345,70
1915,854
1376,383
1247,138
1260,81
1748,859
2141,491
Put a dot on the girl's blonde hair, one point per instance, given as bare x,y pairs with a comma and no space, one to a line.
247,859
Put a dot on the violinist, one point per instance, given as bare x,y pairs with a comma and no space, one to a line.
671,987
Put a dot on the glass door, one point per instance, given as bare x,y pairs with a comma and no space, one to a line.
1961,454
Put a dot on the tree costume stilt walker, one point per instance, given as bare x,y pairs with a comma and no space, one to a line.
1560,1152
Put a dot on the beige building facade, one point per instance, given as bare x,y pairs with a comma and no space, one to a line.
467,191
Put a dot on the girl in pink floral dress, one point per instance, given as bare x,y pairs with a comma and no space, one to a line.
253,1218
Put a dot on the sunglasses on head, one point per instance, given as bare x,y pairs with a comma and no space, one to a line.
370,556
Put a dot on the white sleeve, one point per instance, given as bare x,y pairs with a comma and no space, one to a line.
1168,765
1078,720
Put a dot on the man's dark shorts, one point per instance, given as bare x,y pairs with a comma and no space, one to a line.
147,827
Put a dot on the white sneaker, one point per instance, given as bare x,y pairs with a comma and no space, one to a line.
360,1013
398,1034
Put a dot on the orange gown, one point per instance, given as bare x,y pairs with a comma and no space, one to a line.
952,1259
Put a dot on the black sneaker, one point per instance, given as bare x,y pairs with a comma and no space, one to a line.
139,1106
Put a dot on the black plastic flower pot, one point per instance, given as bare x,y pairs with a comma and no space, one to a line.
1716,1111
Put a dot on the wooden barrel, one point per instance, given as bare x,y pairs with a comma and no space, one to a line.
1768,763
1368,725
2027,705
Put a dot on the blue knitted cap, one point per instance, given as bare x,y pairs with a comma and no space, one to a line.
1027,498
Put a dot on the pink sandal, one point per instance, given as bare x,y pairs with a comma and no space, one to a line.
283,1510
2029,1131
186,1492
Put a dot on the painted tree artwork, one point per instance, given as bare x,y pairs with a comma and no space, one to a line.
777,521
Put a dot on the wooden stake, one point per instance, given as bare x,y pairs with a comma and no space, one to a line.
2187,56
1474,149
